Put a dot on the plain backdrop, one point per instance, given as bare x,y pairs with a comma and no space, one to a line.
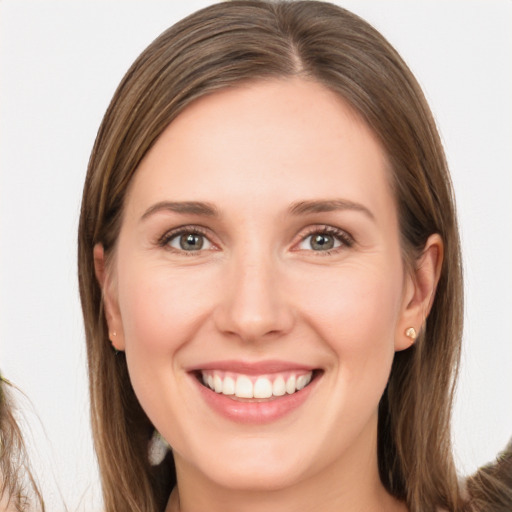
60,63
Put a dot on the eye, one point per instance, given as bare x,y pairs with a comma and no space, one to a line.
187,241
325,240
319,242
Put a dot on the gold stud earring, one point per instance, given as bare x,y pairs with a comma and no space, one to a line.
112,335
411,333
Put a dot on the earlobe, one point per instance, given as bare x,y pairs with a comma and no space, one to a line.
419,292
110,303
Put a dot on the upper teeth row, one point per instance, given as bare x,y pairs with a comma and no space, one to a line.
243,386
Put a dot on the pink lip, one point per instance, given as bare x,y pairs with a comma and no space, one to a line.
252,368
253,412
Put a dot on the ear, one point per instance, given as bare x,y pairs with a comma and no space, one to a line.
110,303
419,292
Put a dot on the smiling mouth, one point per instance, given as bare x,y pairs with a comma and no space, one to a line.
256,388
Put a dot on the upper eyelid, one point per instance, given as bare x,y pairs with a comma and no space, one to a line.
193,228
324,228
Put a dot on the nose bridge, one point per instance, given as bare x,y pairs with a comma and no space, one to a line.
254,304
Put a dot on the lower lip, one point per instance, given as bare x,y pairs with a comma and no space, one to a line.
255,412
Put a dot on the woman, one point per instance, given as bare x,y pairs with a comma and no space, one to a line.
268,240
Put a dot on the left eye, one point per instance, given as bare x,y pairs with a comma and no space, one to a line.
189,242
320,242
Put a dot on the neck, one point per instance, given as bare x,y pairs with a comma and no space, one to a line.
306,499
351,484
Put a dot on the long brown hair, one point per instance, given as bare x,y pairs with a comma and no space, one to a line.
18,487
217,48
490,488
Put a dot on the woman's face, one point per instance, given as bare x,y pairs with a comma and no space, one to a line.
259,253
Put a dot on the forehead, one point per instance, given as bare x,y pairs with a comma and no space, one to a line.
277,140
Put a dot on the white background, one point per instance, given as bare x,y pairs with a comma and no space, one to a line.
60,63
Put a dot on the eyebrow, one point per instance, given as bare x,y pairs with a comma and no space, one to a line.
183,207
330,205
298,208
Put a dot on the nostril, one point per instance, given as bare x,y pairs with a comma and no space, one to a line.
254,326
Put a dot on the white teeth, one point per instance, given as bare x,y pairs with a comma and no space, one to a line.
279,387
243,388
261,387
290,385
301,382
228,387
217,384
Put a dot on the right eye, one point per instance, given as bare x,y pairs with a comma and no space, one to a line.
187,241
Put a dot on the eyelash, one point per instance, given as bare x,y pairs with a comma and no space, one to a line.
168,236
346,240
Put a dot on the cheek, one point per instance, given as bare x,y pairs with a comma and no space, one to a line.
357,322
160,312
355,309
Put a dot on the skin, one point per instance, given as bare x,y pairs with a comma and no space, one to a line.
259,289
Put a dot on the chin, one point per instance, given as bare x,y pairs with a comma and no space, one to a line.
254,464
263,476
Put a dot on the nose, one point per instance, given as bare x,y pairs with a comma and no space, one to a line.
254,305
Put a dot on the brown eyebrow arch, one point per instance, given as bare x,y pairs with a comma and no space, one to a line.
182,207
329,205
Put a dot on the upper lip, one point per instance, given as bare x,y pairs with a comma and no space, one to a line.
253,367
